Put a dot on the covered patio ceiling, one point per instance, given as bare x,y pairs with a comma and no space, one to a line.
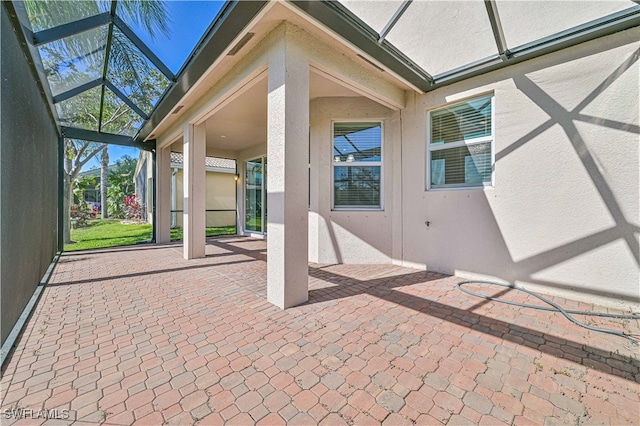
242,123
104,82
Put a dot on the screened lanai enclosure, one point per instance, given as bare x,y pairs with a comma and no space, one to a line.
116,72
104,66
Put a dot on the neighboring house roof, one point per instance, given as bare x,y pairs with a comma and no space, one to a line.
95,172
212,163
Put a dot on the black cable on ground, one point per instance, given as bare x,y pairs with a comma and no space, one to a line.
555,307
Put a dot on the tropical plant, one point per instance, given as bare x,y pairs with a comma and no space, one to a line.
81,184
149,14
81,214
80,58
77,154
115,203
121,185
132,208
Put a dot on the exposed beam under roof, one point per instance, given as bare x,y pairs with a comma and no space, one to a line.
125,99
17,15
77,90
108,138
496,27
146,51
107,56
72,28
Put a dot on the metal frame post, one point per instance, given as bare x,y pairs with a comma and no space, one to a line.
154,224
60,193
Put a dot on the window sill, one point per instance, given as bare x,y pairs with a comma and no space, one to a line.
461,188
357,209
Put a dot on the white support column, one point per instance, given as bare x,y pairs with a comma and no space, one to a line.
287,185
163,195
194,210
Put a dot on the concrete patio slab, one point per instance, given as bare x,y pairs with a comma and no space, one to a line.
140,336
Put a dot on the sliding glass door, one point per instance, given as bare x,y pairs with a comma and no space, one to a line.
256,195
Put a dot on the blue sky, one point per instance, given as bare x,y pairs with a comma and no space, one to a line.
115,152
189,21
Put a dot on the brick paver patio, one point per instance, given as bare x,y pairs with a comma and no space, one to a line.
139,335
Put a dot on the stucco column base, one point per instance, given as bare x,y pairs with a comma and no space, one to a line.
288,180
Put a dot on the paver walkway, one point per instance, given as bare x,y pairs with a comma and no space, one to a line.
139,335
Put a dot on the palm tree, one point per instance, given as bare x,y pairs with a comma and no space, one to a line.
104,181
80,58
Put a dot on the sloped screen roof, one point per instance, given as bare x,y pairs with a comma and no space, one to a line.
444,36
106,65
99,59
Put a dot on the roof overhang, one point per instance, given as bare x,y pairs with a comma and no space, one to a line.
345,27
233,19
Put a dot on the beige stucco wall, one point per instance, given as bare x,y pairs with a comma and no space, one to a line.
143,157
350,236
220,195
564,212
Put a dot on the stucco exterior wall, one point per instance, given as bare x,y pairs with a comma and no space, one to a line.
141,175
564,211
350,236
220,191
29,181
563,214
141,178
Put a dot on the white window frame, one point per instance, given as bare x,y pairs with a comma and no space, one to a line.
457,144
263,198
358,164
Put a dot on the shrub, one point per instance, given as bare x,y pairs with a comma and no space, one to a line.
132,208
81,213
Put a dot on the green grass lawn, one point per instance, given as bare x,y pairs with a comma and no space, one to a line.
112,233
108,233
176,233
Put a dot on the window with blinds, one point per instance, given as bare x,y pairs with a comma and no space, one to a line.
460,146
357,165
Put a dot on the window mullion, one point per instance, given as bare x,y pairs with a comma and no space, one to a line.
461,163
458,144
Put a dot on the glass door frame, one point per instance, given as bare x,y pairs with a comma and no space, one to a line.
263,196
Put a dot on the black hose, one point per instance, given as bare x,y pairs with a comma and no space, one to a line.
555,307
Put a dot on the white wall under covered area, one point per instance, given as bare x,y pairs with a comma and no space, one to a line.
349,235
220,195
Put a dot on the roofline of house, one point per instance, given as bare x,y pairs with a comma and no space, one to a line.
207,168
237,15
96,171
230,22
